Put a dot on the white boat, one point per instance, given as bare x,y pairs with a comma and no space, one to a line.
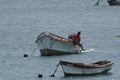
51,44
74,69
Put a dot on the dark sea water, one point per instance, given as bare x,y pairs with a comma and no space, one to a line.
21,21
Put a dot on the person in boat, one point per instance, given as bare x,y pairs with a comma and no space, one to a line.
76,39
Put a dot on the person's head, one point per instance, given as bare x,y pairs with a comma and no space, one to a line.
78,34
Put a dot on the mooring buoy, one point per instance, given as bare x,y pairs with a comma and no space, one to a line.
40,75
25,55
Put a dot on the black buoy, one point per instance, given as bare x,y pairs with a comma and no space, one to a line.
25,55
40,75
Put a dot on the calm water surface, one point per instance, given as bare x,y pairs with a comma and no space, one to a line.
22,21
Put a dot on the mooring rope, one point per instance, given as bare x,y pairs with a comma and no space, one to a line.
34,50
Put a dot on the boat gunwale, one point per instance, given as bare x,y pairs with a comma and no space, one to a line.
59,38
82,65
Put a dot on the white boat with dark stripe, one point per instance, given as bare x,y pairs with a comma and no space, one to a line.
51,44
74,69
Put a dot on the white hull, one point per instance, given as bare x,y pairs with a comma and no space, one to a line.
86,71
71,69
51,44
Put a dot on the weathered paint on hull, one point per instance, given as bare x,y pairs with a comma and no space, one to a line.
80,72
51,44
50,52
73,74
75,69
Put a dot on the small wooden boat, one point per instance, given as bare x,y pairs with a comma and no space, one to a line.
74,69
51,44
114,2
108,2
118,35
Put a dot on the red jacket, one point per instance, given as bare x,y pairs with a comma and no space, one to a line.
76,38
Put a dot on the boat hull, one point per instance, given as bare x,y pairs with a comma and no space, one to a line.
51,44
50,52
114,3
82,69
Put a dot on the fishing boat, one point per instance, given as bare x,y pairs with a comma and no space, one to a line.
114,2
74,69
51,44
118,35
108,2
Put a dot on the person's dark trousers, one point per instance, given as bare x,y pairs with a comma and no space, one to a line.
75,43
81,47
